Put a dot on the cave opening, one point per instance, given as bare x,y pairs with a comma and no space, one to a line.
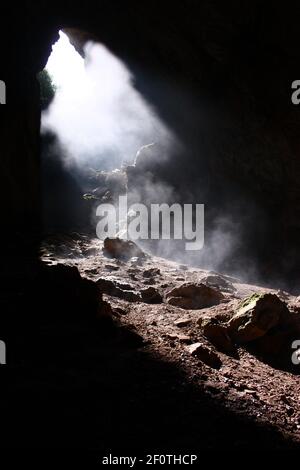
142,353
94,125
101,138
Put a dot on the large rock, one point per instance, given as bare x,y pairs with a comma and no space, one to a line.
275,346
150,295
122,249
194,296
255,316
219,282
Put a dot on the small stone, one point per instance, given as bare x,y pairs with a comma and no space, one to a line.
111,267
136,261
149,282
289,410
251,392
184,338
182,322
151,272
205,354
181,338
172,335
120,311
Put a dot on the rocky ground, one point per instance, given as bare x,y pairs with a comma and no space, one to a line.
216,386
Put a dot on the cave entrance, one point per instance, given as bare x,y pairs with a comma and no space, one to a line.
94,123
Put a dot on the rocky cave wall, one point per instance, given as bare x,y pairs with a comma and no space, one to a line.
234,60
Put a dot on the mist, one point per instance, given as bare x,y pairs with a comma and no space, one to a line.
101,121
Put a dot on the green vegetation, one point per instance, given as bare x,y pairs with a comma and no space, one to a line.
47,88
249,300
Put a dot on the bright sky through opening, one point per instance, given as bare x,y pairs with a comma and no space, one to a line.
97,115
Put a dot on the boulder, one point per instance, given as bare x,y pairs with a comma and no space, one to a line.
194,296
151,296
122,249
275,347
255,316
219,282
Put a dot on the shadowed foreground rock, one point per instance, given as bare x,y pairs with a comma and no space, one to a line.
60,294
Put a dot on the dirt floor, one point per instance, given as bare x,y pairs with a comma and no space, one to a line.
136,387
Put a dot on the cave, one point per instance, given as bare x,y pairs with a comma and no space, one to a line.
118,347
